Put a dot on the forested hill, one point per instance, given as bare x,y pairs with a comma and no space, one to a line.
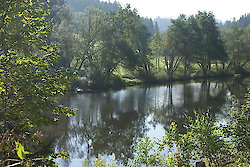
80,5
243,22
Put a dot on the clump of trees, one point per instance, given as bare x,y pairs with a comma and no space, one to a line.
189,41
195,46
104,48
100,42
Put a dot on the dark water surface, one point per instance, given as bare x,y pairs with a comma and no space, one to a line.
109,123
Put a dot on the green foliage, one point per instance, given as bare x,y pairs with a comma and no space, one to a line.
28,81
237,129
99,162
99,42
103,41
180,38
237,45
145,155
13,152
202,141
191,40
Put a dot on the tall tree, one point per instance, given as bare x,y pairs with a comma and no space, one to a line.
136,35
237,45
156,28
108,40
180,38
65,36
93,23
28,83
155,46
150,25
209,45
171,56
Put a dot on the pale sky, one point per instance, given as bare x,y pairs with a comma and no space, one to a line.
222,9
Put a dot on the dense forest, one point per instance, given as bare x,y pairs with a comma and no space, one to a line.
48,47
81,5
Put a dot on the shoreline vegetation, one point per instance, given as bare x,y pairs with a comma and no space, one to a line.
132,81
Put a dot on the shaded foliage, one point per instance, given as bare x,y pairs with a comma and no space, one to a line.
28,83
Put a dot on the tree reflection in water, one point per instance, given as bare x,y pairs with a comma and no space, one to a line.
111,122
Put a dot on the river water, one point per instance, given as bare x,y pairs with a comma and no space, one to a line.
110,122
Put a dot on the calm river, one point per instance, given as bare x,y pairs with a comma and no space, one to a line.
109,123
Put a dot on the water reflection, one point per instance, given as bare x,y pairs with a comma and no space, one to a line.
111,122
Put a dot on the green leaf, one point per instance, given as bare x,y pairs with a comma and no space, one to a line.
21,153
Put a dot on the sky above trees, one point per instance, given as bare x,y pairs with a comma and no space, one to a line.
222,9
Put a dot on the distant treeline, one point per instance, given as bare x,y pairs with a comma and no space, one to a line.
243,22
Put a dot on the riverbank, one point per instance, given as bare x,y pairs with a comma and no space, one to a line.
80,86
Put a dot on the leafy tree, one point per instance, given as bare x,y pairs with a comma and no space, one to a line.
131,38
180,36
202,141
64,36
143,154
150,25
237,45
140,43
173,46
209,45
109,40
98,55
171,56
192,40
156,46
28,83
237,128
